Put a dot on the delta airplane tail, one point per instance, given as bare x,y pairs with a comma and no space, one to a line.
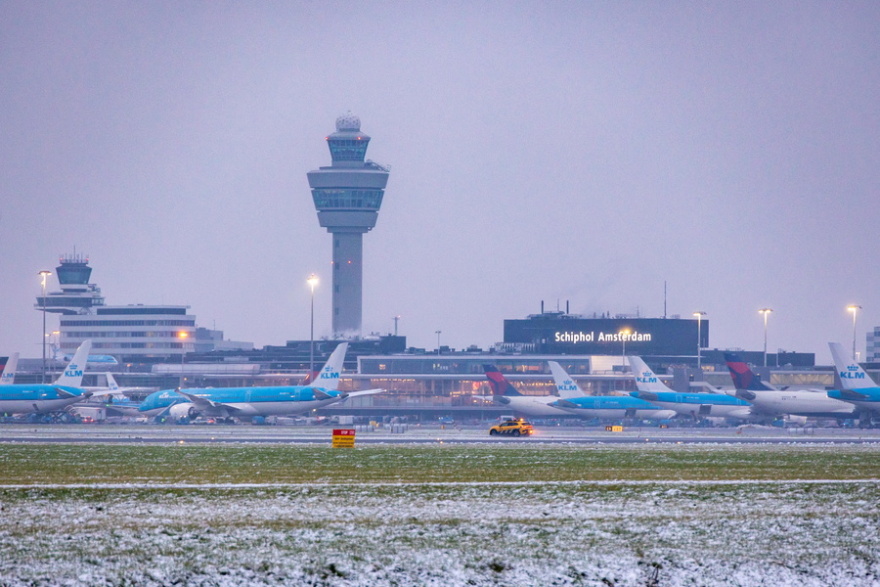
8,375
743,377
852,376
73,373
565,385
499,384
646,380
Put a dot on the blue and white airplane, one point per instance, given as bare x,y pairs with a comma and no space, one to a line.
696,405
246,403
857,387
613,407
8,375
42,398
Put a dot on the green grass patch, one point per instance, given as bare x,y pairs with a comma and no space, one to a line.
294,464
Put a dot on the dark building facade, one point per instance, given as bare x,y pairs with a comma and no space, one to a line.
571,334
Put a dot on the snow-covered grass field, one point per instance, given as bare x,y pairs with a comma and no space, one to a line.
440,515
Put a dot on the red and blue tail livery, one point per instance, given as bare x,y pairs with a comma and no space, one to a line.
499,384
743,377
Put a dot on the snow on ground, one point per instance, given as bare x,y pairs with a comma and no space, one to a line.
597,534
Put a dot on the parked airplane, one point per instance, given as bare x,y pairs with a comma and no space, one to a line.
697,405
246,403
601,406
531,405
57,355
857,387
41,398
769,401
7,377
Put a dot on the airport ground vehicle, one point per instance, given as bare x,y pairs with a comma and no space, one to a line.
515,427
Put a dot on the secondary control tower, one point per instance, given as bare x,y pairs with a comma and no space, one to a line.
77,295
347,196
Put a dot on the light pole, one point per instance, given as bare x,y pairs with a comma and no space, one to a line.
43,275
854,308
182,335
699,316
312,281
765,312
624,334
437,332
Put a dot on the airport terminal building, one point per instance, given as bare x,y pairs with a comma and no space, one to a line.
572,334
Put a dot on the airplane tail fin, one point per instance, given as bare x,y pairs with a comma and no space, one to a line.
646,380
743,377
310,377
499,384
565,385
73,373
328,376
111,382
851,374
8,374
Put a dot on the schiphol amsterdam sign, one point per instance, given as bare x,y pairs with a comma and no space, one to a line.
593,336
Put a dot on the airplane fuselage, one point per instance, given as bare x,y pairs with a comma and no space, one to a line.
37,398
243,402
530,405
611,407
698,405
811,404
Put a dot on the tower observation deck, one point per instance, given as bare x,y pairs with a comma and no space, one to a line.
347,196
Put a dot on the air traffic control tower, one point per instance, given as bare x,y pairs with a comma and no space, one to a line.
347,196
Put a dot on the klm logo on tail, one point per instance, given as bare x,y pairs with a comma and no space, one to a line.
647,377
328,375
568,385
73,371
852,372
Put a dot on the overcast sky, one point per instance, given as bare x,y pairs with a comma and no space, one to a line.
581,152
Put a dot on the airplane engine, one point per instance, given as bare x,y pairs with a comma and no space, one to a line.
181,411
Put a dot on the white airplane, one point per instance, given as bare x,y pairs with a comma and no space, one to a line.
697,405
8,375
766,400
531,405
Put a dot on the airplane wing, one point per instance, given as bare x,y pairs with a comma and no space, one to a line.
105,392
207,405
351,394
64,394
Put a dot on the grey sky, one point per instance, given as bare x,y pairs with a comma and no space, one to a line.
563,151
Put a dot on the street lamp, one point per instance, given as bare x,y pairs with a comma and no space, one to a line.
766,311
312,281
854,308
699,316
43,275
437,332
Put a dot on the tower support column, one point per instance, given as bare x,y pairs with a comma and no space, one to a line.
347,282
